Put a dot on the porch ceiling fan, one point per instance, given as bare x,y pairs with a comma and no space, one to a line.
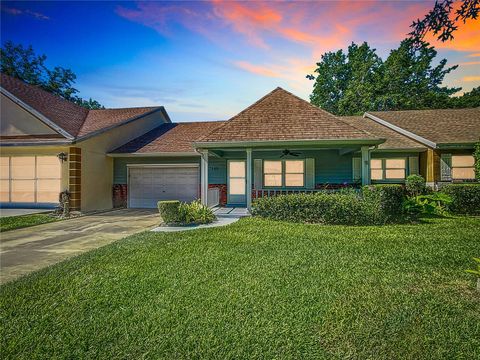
287,152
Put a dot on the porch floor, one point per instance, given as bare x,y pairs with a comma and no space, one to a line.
230,211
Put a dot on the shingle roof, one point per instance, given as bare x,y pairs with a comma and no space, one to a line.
439,126
170,137
72,118
394,140
280,115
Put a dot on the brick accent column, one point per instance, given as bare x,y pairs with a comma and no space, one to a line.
75,177
120,193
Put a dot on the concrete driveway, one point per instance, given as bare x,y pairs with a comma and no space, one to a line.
26,250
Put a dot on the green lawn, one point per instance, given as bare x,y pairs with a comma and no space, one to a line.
22,221
256,289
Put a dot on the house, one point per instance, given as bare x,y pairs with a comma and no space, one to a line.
49,145
279,144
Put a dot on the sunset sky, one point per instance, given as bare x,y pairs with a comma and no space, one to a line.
209,60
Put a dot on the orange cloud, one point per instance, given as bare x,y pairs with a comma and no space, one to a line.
471,78
468,63
474,55
257,69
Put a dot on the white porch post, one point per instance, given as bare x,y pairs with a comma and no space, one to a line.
365,165
204,177
249,179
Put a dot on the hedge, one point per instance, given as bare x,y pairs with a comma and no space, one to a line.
465,198
169,210
373,205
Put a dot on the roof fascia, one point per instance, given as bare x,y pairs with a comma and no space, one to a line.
37,114
153,154
283,143
401,130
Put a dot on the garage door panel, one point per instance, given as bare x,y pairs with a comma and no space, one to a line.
4,190
48,190
23,167
23,191
149,185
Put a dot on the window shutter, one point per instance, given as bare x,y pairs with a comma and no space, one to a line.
257,174
310,173
413,165
446,167
356,169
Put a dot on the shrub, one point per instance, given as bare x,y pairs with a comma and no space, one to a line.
415,185
169,210
387,199
348,207
195,213
433,204
465,198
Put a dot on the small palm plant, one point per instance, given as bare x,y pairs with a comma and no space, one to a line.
476,272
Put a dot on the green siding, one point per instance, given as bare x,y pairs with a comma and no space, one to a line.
330,166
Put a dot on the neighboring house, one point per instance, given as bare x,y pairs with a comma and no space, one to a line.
281,143
49,145
448,135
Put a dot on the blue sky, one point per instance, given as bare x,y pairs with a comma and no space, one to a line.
209,60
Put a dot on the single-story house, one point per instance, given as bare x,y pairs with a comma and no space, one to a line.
281,143
49,145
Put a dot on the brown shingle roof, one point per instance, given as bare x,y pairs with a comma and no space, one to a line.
170,137
439,126
394,140
72,118
280,115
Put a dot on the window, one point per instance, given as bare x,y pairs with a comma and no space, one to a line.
289,173
294,173
30,179
387,169
463,167
272,173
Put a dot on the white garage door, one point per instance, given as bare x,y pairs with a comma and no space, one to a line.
148,185
30,180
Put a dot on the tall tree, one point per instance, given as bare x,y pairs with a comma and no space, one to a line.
470,99
410,81
443,21
23,63
360,81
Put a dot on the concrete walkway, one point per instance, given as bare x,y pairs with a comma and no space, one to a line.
17,212
25,250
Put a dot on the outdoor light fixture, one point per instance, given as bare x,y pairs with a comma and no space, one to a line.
62,156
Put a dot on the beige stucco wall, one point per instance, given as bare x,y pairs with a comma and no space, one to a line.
16,121
37,151
97,167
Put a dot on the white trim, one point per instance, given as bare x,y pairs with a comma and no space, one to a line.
162,165
154,154
401,130
35,113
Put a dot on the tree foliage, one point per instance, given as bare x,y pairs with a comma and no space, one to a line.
24,64
359,80
476,154
443,21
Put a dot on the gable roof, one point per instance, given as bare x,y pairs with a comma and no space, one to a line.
433,127
395,140
169,138
69,119
280,115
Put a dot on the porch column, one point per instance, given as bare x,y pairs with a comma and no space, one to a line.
204,177
249,179
365,165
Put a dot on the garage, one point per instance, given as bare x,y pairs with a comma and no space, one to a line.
149,184
33,181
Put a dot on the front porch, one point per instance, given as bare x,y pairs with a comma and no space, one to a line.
233,177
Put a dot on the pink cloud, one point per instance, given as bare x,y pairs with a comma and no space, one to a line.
17,12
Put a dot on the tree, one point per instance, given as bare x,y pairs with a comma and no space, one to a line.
345,83
476,155
409,81
468,100
22,63
360,81
443,21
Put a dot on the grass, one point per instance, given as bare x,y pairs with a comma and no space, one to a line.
256,289
22,221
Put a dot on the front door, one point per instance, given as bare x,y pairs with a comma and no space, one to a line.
236,182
